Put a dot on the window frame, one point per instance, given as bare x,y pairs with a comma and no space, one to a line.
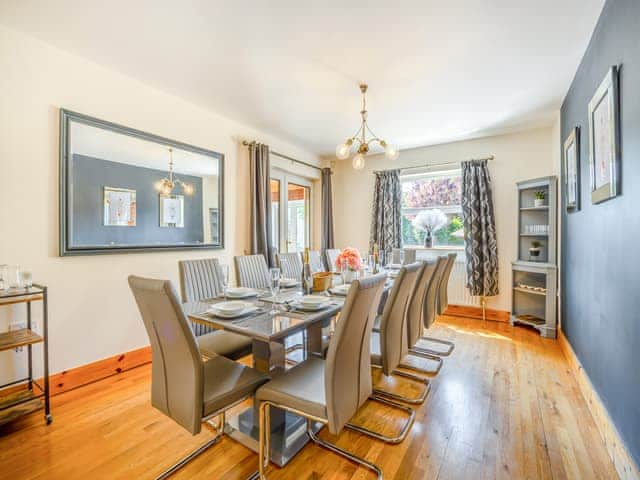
446,209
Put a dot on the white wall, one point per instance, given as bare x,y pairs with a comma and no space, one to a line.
92,312
518,156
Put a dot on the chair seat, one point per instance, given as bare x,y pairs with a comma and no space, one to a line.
301,387
227,344
226,382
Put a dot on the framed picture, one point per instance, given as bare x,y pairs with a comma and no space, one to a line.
172,211
119,207
604,138
571,155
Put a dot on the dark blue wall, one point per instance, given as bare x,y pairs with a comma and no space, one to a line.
91,175
600,250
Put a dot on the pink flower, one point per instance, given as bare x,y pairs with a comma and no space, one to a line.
351,256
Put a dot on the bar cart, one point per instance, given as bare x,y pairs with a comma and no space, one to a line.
15,402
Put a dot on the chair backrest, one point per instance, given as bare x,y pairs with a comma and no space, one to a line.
177,372
430,304
199,279
290,265
348,365
332,256
409,255
393,324
315,261
252,271
417,298
443,297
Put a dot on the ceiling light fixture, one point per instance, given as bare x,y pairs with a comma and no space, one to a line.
344,150
167,184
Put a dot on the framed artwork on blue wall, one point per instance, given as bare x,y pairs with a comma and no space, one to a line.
604,139
571,157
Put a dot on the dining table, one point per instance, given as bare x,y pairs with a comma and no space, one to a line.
271,325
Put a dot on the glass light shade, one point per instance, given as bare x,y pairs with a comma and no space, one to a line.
391,152
358,161
342,151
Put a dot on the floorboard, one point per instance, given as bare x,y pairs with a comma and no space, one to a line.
505,405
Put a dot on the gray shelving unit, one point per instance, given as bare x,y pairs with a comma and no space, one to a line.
535,278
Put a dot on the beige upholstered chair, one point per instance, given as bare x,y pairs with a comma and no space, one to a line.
443,298
199,280
290,265
332,256
409,255
389,345
315,261
329,391
183,386
436,294
252,271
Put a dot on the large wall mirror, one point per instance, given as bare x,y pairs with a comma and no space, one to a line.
122,190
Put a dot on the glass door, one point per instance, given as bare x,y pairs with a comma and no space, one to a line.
291,211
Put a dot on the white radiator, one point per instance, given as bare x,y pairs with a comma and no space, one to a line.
458,292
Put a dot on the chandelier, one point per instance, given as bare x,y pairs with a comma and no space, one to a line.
168,183
344,150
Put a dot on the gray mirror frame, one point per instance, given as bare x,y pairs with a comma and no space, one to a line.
65,249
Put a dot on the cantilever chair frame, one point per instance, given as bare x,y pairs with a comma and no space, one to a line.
444,272
264,420
209,443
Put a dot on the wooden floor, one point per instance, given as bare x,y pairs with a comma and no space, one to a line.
505,405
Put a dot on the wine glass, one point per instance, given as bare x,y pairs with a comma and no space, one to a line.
371,263
274,286
401,256
224,278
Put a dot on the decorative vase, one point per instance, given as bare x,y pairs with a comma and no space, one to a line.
538,202
348,276
428,240
534,253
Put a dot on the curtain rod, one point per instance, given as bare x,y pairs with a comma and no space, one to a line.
489,158
246,144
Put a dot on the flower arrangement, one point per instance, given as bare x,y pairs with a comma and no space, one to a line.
352,257
430,220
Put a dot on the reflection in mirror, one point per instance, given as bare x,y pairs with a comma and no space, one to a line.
125,190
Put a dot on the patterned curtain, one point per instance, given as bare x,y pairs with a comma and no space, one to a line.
386,224
260,192
481,247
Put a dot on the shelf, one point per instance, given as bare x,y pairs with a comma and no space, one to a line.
529,320
18,404
18,338
526,290
535,209
534,234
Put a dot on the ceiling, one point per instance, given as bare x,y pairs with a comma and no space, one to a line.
438,71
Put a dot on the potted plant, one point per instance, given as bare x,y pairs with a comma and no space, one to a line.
348,263
430,221
539,200
534,250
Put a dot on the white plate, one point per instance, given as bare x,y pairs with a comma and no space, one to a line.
394,266
394,274
241,292
312,300
288,282
340,289
231,309
312,308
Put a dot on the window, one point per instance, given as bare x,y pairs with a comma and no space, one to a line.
291,211
437,190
